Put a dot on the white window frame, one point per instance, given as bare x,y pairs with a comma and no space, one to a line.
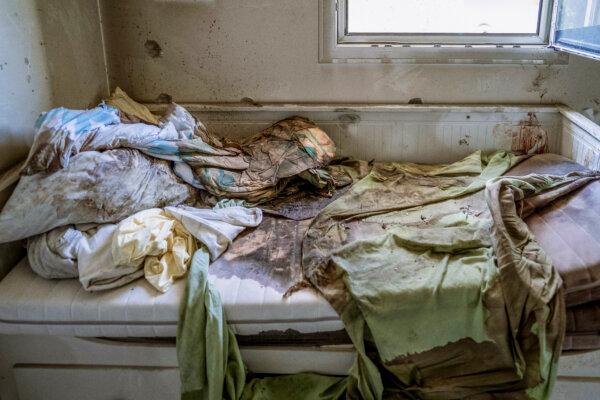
569,49
336,45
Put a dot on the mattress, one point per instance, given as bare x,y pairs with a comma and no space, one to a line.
253,275
569,229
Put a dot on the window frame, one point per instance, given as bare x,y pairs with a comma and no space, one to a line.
558,45
336,45
539,38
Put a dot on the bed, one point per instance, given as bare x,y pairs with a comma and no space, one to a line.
55,327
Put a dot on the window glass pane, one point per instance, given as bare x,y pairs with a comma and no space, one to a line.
578,25
443,16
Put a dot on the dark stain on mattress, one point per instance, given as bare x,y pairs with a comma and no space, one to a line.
301,205
292,337
269,254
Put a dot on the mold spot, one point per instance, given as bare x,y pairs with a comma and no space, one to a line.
28,78
463,142
26,61
164,98
153,49
415,100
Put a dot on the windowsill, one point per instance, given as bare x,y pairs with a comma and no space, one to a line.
429,54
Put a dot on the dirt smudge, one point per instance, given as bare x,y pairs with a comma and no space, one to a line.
529,137
164,98
153,49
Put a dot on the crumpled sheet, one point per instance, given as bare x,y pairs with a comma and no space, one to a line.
155,243
94,188
299,201
61,133
408,259
255,169
156,240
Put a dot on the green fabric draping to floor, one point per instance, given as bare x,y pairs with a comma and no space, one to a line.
210,362
209,358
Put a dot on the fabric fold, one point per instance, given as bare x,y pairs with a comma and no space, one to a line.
155,243
408,259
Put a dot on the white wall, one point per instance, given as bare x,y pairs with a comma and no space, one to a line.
50,53
225,50
23,77
25,91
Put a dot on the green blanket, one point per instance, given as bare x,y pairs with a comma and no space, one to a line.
441,287
209,358
439,284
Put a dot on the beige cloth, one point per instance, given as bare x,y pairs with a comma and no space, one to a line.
131,110
156,240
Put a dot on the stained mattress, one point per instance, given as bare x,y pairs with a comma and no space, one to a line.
569,229
251,277
263,263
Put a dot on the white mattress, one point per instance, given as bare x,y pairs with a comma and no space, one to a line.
30,304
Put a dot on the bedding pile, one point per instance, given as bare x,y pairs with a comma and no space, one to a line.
442,287
106,194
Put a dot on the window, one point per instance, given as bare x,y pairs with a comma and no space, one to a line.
577,26
437,31
445,21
